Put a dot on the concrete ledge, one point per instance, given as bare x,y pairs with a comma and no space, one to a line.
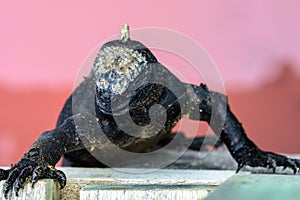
167,181
132,183
162,182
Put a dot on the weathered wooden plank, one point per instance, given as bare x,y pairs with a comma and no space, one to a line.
258,187
81,177
137,192
45,189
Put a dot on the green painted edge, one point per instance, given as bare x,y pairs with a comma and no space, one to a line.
258,186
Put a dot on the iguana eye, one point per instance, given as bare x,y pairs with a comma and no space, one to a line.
112,75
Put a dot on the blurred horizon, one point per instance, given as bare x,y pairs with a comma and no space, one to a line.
245,39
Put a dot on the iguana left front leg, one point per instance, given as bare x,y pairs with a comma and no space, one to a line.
232,134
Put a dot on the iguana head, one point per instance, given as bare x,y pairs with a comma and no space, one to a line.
118,64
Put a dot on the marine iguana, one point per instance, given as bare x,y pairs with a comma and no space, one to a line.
127,80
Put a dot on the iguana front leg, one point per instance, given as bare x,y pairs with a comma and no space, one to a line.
232,134
39,161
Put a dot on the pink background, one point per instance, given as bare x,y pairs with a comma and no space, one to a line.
43,44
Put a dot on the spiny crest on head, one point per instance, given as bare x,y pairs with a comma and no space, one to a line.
125,34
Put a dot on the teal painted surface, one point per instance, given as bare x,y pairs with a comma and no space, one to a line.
258,187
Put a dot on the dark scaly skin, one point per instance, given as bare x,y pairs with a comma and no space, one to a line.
94,109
